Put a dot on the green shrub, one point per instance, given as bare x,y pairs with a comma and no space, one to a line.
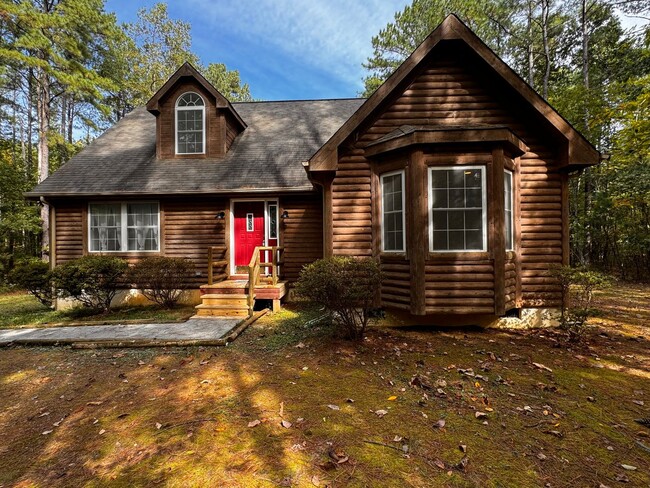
161,279
578,286
92,280
34,276
346,287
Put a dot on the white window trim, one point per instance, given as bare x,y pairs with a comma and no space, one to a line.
381,199
123,227
483,169
193,107
250,222
510,246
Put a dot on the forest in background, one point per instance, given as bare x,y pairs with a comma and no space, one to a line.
69,70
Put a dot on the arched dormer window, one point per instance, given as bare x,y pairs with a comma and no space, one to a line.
190,124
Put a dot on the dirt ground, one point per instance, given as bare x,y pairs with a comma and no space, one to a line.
287,405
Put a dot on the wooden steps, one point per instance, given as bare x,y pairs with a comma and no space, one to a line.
229,298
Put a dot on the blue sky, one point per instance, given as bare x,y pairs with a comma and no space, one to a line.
284,49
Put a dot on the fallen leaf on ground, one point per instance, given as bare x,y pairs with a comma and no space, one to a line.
439,424
334,407
381,413
629,467
392,398
480,415
254,423
541,366
286,424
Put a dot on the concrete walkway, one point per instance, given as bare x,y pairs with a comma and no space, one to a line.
208,331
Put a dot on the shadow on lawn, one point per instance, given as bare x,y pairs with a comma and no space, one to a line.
179,417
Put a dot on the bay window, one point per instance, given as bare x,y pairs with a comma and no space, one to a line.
120,227
458,209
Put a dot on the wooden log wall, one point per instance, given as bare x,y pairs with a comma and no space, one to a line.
69,231
301,233
190,228
454,89
459,286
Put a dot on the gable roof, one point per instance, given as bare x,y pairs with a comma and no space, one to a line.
267,156
581,151
187,70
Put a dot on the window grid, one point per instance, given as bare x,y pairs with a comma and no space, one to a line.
190,124
393,232
457,209
508,209
121,227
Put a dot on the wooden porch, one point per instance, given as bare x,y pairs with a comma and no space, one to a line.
227,295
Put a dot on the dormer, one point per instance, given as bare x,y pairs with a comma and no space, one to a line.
193,120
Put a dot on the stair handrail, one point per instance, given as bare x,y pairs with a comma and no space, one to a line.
220,263
254,267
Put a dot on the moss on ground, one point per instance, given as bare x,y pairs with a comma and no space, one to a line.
22,310
181,416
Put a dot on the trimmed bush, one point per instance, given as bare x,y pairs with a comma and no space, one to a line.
92,280
161,279
34,276
578,286
346,287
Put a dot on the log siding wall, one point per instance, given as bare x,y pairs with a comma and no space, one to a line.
451,89
188,227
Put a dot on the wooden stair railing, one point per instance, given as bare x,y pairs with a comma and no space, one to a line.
218,258
255,266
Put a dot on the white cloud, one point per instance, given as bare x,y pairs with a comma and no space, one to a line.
328,34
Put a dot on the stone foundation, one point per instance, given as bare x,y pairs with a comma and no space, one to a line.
132,297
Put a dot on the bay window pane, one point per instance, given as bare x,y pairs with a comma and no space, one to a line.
457,213
105,227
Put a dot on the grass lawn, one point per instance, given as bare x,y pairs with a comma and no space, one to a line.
285,405
18,309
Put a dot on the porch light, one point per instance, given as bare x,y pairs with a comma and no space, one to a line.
285,215
221,216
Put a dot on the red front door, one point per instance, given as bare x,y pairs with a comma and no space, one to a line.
249,230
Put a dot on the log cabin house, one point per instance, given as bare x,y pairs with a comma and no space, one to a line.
453,175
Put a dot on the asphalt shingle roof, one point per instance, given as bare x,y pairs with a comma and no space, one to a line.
268,155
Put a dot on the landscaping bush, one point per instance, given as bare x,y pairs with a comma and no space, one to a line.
161,279
578,286
346,287
92,280
34,276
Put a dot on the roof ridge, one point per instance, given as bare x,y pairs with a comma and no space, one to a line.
305,100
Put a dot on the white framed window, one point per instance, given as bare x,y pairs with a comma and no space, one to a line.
120,227
393,234
457,209
508,210
190,124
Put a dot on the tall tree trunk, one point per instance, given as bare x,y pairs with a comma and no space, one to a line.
71,107
43,107
547,51
529,46
30,122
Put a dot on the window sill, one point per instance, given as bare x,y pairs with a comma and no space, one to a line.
459,256
392,256
130,254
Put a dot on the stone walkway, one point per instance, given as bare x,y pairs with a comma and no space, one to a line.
210,331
